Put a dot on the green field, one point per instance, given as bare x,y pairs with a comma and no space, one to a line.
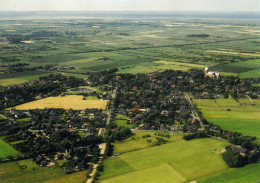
251,74
249,174
77,177
20,77
137,141
173,162
15,173
7,150
238,116
26,171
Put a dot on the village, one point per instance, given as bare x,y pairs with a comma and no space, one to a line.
80,139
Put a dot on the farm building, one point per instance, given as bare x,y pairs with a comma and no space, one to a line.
211,74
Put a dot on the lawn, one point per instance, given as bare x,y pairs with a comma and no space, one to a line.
26,171
7,150
74,102
121,120
173,162
249,174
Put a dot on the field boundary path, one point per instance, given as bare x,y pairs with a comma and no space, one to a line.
3,116
250,99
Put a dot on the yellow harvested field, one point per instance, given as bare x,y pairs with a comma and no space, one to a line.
74,102
155,36
254,31
27,42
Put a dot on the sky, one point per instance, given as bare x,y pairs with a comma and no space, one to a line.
131,5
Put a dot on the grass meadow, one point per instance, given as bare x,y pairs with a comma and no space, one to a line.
249,174
241,116
7,150
26,171
178,161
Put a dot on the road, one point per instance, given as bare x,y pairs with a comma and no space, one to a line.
108,119
194,112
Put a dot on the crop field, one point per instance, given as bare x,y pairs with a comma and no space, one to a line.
249,174
132,45
7,150
240,116
74,102
26,171
178,161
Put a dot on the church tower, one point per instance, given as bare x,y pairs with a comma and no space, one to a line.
206,71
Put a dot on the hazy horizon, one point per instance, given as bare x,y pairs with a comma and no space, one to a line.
133,5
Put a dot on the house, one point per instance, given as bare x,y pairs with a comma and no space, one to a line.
118,77
192,120
165,113
42,160
162,127
98,116
122,111
16,113
71,112
242,151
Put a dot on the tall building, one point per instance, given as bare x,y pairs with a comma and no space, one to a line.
211,74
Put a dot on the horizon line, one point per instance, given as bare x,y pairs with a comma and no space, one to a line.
126,11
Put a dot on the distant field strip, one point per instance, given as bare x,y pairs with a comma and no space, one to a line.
74,102
234,53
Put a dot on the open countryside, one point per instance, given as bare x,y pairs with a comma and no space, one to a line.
117,97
